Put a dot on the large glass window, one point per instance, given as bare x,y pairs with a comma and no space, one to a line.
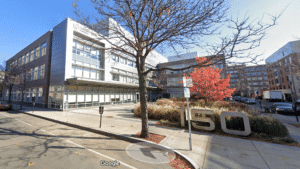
43,49
41,72
86,55
31,56
37,52
35,73
27,58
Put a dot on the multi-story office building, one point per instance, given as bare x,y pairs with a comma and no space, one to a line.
284,70
171,79
248,79
69,68
30,67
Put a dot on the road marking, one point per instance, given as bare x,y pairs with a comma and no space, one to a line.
23,122
129,166
4,115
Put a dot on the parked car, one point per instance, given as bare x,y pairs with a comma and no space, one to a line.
296,106
250,101
243,100
282,108
238,98
5,106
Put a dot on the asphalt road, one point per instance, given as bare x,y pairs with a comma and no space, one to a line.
27,141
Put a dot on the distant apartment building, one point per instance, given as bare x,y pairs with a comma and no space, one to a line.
248,79
171,80
283,69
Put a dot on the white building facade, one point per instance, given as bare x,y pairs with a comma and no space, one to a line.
83,74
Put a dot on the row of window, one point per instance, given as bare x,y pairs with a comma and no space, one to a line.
31,95
87,55
126,79
30,56
125,61
35,73
87,73
114,70
254,69
256,74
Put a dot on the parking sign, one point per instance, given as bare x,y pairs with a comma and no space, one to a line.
187,92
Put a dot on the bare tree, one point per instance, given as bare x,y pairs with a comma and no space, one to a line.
171,24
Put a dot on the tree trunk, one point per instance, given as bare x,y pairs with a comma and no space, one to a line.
143,98
9,95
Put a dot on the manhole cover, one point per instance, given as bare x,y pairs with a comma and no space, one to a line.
149,153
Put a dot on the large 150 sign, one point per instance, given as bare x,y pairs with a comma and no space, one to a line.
199,115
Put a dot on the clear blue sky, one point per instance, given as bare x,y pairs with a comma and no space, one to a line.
22,21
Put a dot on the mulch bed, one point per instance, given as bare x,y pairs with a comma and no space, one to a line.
153,137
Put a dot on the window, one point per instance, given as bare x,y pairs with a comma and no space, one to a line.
115,58
23,60
31,56
41,72
35,73
39,95
115,77
33,94
134,64
29,72
123,60
27,58
37,52
290,59
130,63
20,61
43,49
86,73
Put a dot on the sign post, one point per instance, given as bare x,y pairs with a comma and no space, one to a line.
186,84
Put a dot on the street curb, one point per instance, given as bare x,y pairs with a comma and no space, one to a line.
118,136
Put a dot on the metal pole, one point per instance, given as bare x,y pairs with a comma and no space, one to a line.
188,109
100,119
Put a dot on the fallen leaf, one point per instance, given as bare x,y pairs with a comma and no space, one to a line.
17,143
78,153
30,164
284,158
131,125
46,154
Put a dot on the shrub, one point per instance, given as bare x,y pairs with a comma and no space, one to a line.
267,125
174,99
165,102
180,104
181,99
159,112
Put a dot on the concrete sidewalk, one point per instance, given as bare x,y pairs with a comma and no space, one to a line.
209,150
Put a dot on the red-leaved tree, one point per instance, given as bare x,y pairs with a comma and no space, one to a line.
207,83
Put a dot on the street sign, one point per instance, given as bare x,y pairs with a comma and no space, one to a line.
187,92
187,82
